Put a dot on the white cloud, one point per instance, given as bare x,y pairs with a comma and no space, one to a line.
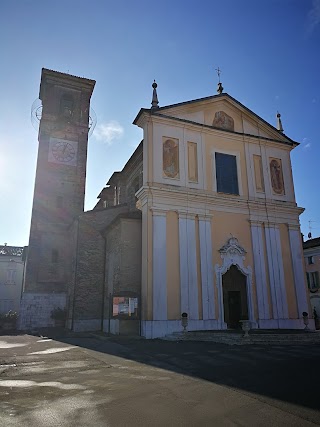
108,132
306,144
314,16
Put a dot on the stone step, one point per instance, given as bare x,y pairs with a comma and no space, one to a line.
254,338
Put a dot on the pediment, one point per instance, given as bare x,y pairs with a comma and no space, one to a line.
226,113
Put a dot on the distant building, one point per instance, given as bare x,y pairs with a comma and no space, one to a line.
311,252
11,277
201,220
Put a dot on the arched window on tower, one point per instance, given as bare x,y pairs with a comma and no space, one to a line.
66,106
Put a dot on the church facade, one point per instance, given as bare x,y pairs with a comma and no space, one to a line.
202,220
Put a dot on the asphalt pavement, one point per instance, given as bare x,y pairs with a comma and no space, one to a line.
84,381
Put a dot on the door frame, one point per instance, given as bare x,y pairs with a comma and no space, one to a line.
233,254
238,287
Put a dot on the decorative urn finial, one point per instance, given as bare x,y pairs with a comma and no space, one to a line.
155,102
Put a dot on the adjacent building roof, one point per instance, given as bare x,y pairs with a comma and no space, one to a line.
312,243
11,250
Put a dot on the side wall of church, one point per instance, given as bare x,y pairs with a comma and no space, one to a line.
123,263
87,290
89,278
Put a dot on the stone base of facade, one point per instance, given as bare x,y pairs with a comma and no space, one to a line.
122,327
285,324
161,328
36,308
86,325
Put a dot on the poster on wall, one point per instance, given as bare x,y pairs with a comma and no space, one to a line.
125,307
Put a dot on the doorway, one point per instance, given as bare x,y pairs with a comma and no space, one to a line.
234,297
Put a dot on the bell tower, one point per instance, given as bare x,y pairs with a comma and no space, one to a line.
60,179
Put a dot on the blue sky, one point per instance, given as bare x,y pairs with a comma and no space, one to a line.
268,50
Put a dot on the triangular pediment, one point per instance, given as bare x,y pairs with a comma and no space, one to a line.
222,112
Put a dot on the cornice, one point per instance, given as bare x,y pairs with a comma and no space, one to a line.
195,199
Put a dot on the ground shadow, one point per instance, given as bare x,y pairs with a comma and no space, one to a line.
278,372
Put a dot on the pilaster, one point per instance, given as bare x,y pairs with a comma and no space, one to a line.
276,272
159,261
208,303
298,270
260,270
188,265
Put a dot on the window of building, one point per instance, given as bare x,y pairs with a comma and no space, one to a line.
11,276
226,173
105,203
54,256
310,260
313,280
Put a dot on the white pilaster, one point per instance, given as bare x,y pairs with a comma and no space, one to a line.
188,266
159,257
276,273
260,271
298,271
208,303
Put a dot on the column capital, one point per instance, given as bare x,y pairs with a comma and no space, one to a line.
271,224
158,212
205,217
186,215
295,227
256,223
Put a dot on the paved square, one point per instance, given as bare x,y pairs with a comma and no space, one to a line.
83,381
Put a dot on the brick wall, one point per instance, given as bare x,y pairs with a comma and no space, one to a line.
123,258
86,290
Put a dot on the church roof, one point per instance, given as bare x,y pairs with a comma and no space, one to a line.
158,112
129,164
113,177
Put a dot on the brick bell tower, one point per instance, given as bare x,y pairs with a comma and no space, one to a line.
59,184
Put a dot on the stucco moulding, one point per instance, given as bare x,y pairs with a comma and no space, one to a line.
184,214
232,247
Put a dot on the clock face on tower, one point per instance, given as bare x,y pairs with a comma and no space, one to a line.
63,151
